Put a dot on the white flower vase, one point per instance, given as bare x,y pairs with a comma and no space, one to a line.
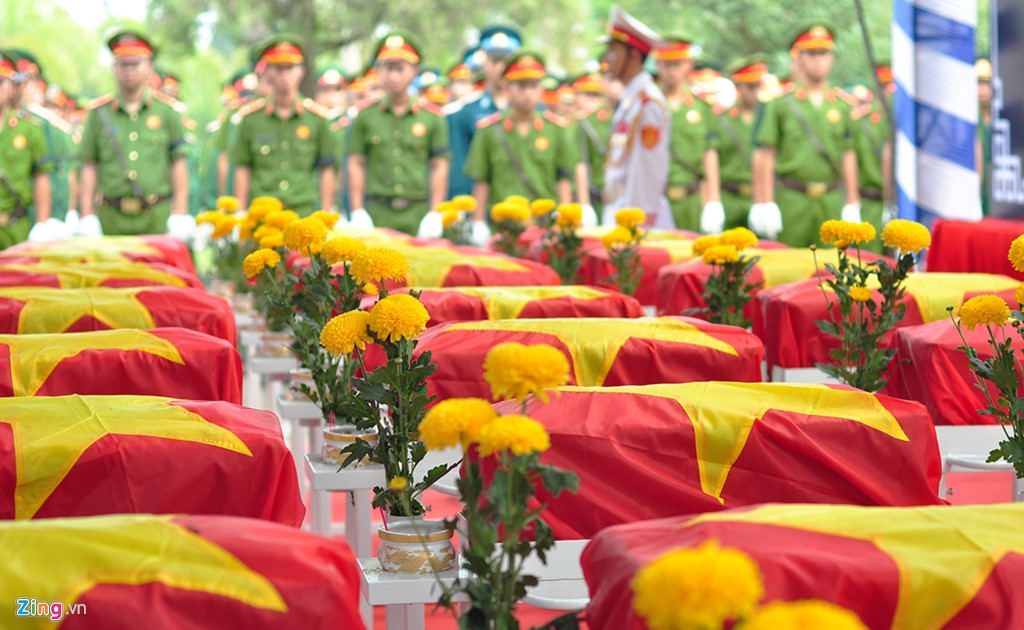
339,437
415,547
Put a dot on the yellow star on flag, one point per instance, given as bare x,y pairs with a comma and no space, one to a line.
943,554
429,266
509,302
35,357
50,310
723,415
61,559
87,249
594,343
51,433
79,276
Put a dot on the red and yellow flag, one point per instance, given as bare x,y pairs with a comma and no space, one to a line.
662,450
160,249
175,572
38,310
955,568
84,455
171,362
106,274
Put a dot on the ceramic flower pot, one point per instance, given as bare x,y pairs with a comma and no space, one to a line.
275,344
296,379
242,302
415,547
339,437
223,289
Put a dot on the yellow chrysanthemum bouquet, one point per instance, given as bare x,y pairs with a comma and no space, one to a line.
457,219
563,243
509,219
1002,370
623,245
501,476
855,319
225,247
712,588
727,291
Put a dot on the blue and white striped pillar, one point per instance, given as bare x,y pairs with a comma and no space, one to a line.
936,109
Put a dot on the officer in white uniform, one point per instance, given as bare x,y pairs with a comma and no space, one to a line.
636,171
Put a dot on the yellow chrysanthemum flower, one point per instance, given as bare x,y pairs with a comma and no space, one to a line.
909,237
305,235
704,243
245,227
259,260
450,217
984,310
272,241
518,200
227,203
398,317
1016,254
210,216
281,218
803,615
839,232
540,207
346,332
370,289
617,236
505,211
721,254
860,294
466,203
264,231
514,370
519,434
1019,294
741,238
379,263
263,206
329,219
690,589
224,226
570,215
630,218
342,249
398,484
455,421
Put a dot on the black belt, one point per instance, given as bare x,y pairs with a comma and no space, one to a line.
679,192
134,205
396,203
871,194
7,218
743,189
811,189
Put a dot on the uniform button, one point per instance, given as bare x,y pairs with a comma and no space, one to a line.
133,136
134,116
284,164
398,170
264,149
134,155
375,140
284,145
398,135
399,188
398,152
132,175
284,185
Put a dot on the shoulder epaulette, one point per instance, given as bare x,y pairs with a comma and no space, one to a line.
432,108
341,123
555,118
719,109
167,100
55,121
315,107
101,101
789,89
248,108
367,103
487,121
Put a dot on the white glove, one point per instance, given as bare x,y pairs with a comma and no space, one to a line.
360,220
181,227
49,230
851,213
889,211
589,217
89,225
431,226
71,222
712,219
480,234
765,219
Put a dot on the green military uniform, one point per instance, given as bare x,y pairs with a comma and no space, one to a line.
984,135
694,132
594,133
284,154
340,126
735,153
61,148
870,133
149,140
22,156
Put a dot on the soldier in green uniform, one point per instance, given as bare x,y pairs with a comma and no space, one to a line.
330,94
693,148
803,141
594,128
736,138
24,168
873,146
283,141
522,151
398,148
133,153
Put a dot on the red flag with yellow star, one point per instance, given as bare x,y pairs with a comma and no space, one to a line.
171,362
956,568
147,248
662,450
86,455
124,572
601,351
97,274
38,310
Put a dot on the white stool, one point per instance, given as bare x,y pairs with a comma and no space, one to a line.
301,413
966,447
561,585
275,369
404,596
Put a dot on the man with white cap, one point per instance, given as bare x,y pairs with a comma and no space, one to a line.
636,170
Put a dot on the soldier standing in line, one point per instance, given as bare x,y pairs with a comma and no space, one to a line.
873,146
693,188
284,141
398,149
133,153
736,138
593,131
460,81
636,171
804,143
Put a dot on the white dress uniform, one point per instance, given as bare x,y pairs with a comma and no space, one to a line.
636,170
